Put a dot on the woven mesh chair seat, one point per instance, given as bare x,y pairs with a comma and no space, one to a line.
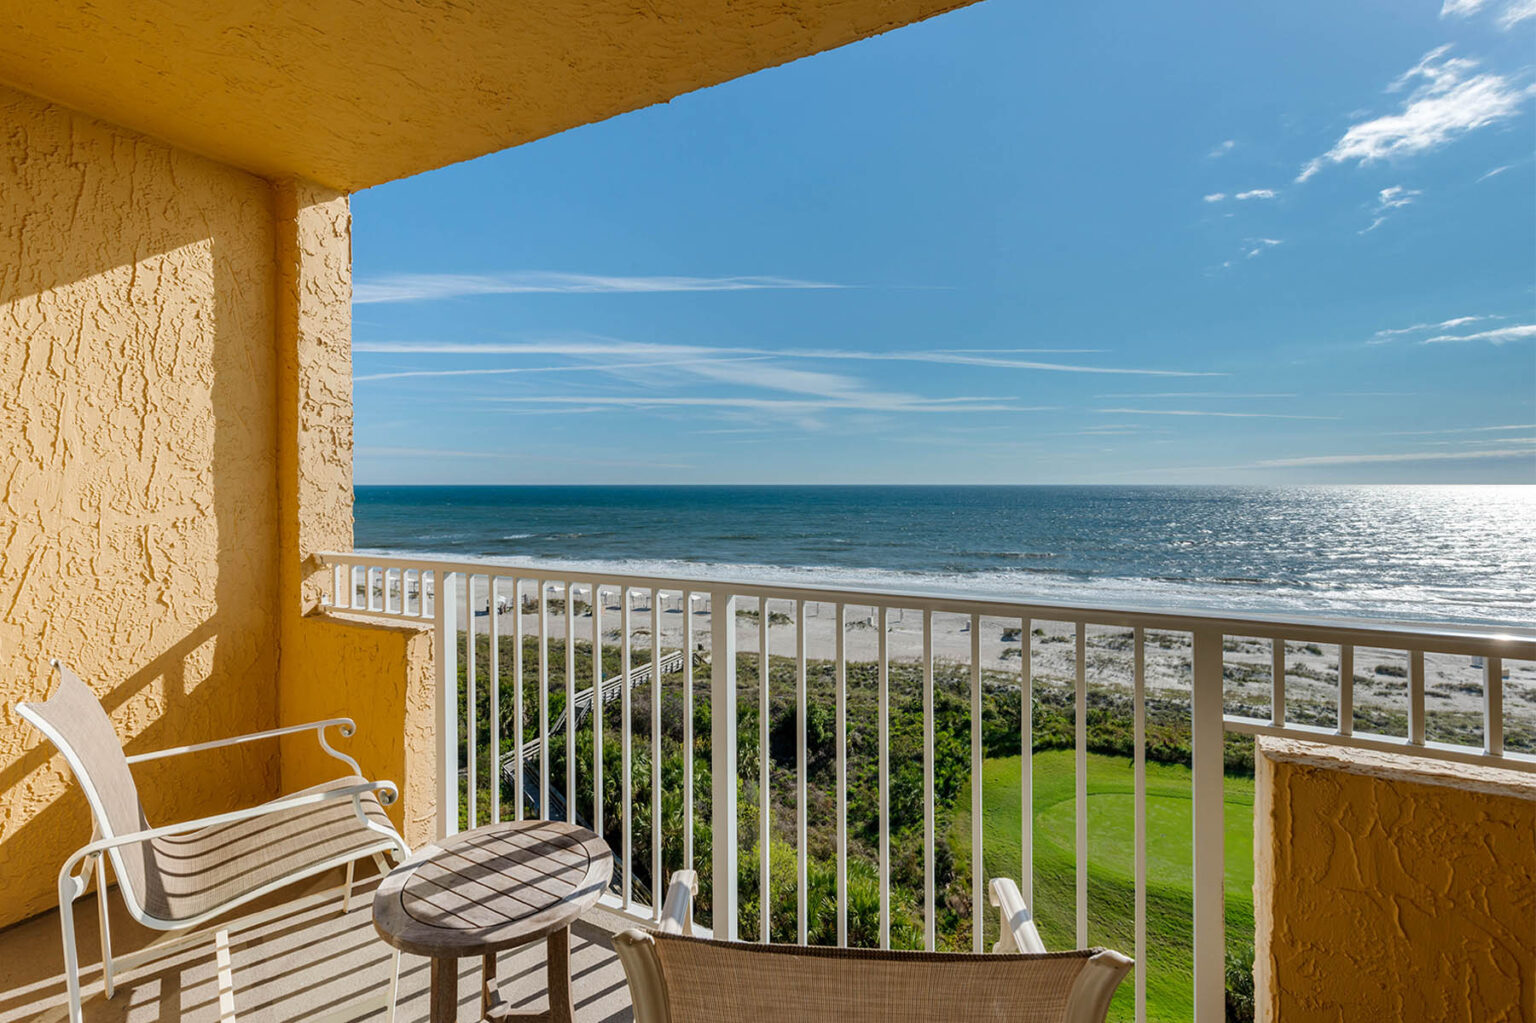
187,875
713,981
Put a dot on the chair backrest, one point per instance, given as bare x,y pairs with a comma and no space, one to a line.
690,980
73,719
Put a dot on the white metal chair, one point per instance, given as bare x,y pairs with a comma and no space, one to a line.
676,978
178,877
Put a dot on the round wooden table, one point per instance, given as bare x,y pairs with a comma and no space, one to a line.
487,890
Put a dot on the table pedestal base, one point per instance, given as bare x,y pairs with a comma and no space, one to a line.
557,954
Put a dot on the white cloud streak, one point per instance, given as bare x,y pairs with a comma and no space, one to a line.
1493,173
1252,193
1461,429
1395,456
489,371
1461,8
1382,337
1389,199
1195,394
1215,197
1498,335
859,402
1516,12
1202,412
1447,100
604,348
1222,148
432,287
1258,246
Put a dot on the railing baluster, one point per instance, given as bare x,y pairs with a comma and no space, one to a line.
1277,681
688,729
471,705
883,700
517,690
1346,689
978,881
543,805
1493,706
1026,765
1139,726
1416,697
494,613
764,806
626,776
802,814
445,641
841,738
570,701
1080,774
722,771
1207,740
930,906
599,701
658,883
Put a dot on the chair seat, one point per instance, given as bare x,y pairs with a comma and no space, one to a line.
218,866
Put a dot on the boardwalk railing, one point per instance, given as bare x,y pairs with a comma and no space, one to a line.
1429,691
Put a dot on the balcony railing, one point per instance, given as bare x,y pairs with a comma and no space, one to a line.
1230,679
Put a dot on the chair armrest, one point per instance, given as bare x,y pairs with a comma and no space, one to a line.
1017,932
386,790
345,726
677,911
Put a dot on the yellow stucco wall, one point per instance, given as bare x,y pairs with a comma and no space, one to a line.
380,675
1392,889
137,486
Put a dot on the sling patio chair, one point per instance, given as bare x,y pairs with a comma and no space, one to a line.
677,978
178,877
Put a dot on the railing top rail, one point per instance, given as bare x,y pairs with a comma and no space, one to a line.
1437,637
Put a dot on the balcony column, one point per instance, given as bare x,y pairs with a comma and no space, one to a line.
379,674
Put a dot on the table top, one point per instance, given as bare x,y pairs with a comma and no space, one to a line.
492,888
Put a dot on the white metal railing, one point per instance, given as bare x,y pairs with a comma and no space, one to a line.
449,593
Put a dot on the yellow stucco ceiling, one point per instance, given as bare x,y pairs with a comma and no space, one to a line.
352,93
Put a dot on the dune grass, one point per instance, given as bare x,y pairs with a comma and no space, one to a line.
1111,891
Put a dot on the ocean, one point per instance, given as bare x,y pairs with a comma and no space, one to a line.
1428,554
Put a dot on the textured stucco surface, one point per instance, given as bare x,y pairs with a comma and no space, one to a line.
137,485
352,93
380,675
1392,889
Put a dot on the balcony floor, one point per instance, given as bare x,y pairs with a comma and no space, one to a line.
312,963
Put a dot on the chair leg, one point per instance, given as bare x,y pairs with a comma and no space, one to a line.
108,982
394,986
69,888
346,888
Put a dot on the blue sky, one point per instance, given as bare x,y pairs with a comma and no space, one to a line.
1018,243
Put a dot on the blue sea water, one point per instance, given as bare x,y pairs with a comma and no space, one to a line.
1432,553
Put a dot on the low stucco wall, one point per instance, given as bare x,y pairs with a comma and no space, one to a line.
1392,888
380,675
138,502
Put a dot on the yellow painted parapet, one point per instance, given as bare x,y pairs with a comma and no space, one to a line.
353,93
138,502
1390,887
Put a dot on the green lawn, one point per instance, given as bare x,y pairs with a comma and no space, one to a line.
1111,892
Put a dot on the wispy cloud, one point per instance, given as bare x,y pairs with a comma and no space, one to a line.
1252,193
1258,246
1222,148
1446,100
1498,335
858,402
1462,429
1382,337
1394,456
1461,8
493,371
1203,412
1194,394
607,348
1516,12
1494,173
1389,199
502,455
429,287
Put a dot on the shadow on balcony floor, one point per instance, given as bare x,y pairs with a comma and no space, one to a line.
313,963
